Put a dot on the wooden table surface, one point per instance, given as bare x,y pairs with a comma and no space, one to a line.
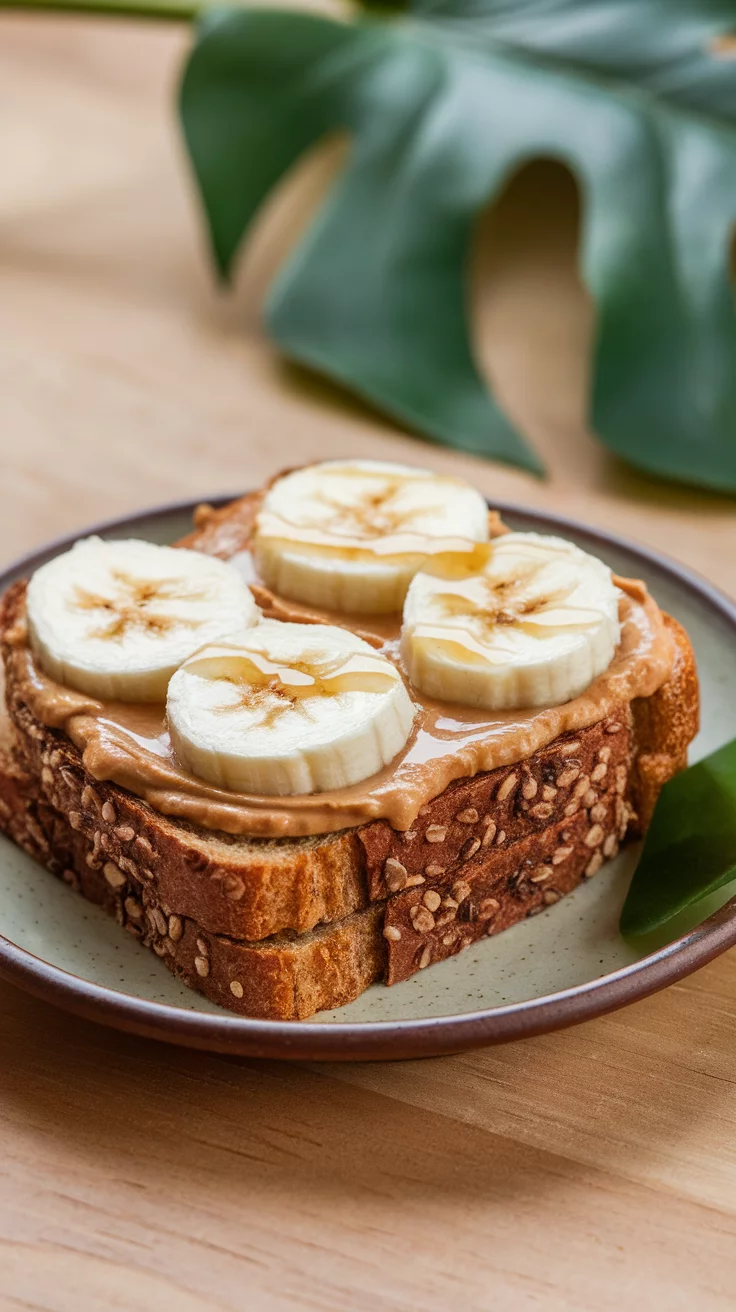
592,1169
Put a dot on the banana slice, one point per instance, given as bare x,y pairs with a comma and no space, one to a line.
534,627
115,619
350,535
289,708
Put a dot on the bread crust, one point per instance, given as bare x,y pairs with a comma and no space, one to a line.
476,817
423,926
664,726
287,977
291,976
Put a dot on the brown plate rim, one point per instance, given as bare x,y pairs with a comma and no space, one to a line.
380,1040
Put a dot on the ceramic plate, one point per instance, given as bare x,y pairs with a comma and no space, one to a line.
563,966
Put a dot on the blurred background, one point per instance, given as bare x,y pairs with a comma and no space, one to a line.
128,378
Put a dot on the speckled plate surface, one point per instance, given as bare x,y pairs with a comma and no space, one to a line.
556,969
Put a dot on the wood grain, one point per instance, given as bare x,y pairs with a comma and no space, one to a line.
594,1169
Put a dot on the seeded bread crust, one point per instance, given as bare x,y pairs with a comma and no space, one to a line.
287,977
477,818
291,976
424,926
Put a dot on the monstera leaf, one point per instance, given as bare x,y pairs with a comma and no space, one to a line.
690,848
443,103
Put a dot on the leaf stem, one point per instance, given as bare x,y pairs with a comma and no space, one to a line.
175,10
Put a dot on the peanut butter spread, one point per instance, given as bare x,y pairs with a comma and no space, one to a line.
129,744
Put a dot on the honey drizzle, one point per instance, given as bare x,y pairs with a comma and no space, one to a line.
273,686
373,526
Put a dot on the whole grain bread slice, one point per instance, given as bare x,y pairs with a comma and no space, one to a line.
254,888
285,927
287,977
291,976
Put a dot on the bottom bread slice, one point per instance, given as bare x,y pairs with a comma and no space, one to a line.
291,976
287,977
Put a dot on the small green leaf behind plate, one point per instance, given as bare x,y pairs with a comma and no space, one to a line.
690,848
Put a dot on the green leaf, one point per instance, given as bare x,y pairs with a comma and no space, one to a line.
443,104
176,10
690,848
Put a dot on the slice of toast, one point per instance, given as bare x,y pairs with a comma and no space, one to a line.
255,888
291,976
304,924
